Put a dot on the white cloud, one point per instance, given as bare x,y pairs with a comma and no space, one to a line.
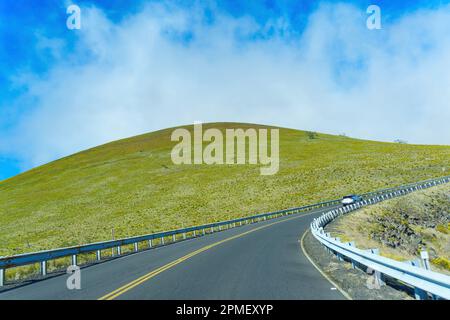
338,76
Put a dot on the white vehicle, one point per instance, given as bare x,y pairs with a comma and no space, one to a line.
347,200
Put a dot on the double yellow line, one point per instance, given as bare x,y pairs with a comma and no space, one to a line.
114,294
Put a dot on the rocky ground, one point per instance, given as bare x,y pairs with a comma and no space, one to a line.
400,228
355,282
404,226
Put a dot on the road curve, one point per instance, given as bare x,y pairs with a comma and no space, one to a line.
258,261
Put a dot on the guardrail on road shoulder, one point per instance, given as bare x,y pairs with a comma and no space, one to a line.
42,257
424,281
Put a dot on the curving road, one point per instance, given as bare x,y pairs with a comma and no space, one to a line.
258,261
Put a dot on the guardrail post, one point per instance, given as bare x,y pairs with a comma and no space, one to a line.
136,248
43,266
74,260
212,229
174,238
99,255
425,260
119,250
352,244
150,244
379,278
162,240
184,235
426,265
2,277
337,254
203,231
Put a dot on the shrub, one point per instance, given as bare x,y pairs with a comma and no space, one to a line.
442,262
442,228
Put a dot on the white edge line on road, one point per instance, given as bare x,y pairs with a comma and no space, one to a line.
345,294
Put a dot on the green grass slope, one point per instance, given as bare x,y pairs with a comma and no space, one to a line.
132,186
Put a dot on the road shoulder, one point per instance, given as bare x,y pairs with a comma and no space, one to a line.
353,282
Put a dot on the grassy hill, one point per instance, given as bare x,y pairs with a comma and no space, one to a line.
132,186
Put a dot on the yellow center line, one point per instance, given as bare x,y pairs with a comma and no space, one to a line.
114,294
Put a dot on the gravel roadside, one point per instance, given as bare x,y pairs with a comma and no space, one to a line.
354,282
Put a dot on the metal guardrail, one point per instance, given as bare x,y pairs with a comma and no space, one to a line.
422,280
42,257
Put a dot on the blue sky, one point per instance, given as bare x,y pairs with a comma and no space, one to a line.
58,87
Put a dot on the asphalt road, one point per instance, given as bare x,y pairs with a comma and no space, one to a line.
259,261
